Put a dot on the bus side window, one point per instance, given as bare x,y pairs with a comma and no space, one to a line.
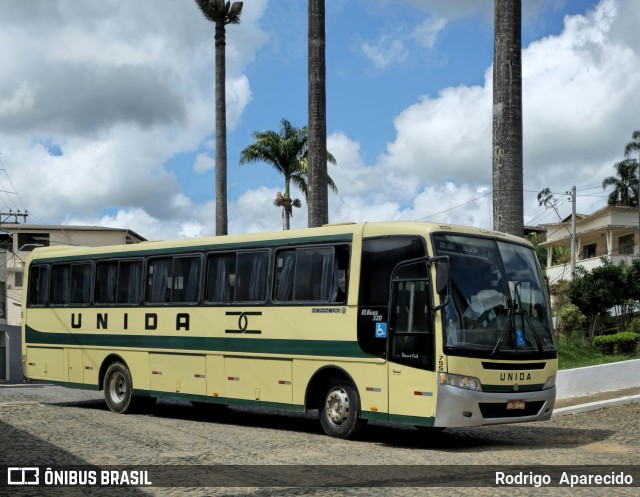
71,284
129,282
106,282
285,273
315,278
220,278
252,274
159,281
60,284
38,285
186,280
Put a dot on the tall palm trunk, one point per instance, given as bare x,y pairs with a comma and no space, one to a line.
286,214
318,201
221,132
508,212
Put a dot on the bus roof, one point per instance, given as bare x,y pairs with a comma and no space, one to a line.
330,232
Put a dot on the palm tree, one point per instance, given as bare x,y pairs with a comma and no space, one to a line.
221,13
625,184
318,195
287,151
633,146
508,212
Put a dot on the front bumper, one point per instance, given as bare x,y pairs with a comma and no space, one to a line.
458,407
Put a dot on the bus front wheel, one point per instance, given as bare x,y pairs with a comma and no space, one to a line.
118,387
339,410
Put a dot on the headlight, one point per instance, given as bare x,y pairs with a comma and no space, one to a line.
455,380
550,383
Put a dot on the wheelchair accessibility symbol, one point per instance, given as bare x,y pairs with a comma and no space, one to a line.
381,330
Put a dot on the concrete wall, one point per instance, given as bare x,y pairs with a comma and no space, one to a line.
595,379
11,349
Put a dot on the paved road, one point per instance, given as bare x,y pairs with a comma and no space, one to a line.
49,425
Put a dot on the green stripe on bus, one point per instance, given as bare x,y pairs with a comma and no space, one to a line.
412,420
325,348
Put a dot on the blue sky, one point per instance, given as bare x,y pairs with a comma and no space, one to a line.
107,110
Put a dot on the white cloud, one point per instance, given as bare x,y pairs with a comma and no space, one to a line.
254,211
203,163
395,47
120,89
426,33
385,51
580,106
120,101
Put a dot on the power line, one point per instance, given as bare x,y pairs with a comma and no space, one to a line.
455,207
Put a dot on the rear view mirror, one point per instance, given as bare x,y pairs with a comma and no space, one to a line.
442,281
442,277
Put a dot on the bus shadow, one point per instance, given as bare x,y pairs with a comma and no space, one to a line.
24,450
535,436
505,437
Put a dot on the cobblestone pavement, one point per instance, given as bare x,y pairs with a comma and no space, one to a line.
49,425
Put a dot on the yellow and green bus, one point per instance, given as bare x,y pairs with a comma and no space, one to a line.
428,324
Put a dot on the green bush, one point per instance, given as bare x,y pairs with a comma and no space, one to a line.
620,343
634,326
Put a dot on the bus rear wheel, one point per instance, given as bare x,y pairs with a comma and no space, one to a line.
339,410
118,390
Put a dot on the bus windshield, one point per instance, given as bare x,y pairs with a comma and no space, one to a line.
497,306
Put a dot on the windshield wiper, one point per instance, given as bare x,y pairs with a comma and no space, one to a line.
505,328
533,330
524,315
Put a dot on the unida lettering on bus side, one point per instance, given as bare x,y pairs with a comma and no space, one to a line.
150,322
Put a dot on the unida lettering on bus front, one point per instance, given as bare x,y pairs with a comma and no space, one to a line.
151,321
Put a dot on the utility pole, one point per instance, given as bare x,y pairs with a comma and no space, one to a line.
573,232
5,216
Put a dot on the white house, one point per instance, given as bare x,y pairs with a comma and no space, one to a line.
612,231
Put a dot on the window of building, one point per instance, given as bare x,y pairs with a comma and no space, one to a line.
29,241
626,244
18,278
589,251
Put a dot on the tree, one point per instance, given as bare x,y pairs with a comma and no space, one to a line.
318,195
221,14
508,210
596,292
633,146
286,150
625,184
547,200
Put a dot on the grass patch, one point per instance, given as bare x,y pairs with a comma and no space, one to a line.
575,355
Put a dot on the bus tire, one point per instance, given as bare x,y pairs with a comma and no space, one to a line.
339,410
118,390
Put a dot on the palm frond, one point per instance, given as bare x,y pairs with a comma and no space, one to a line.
220,11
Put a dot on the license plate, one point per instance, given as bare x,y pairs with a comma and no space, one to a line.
515,404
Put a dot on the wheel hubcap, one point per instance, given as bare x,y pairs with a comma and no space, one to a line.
337,406
117,387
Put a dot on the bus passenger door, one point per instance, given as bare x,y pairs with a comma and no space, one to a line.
411,347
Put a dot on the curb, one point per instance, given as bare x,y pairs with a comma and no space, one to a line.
594,406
